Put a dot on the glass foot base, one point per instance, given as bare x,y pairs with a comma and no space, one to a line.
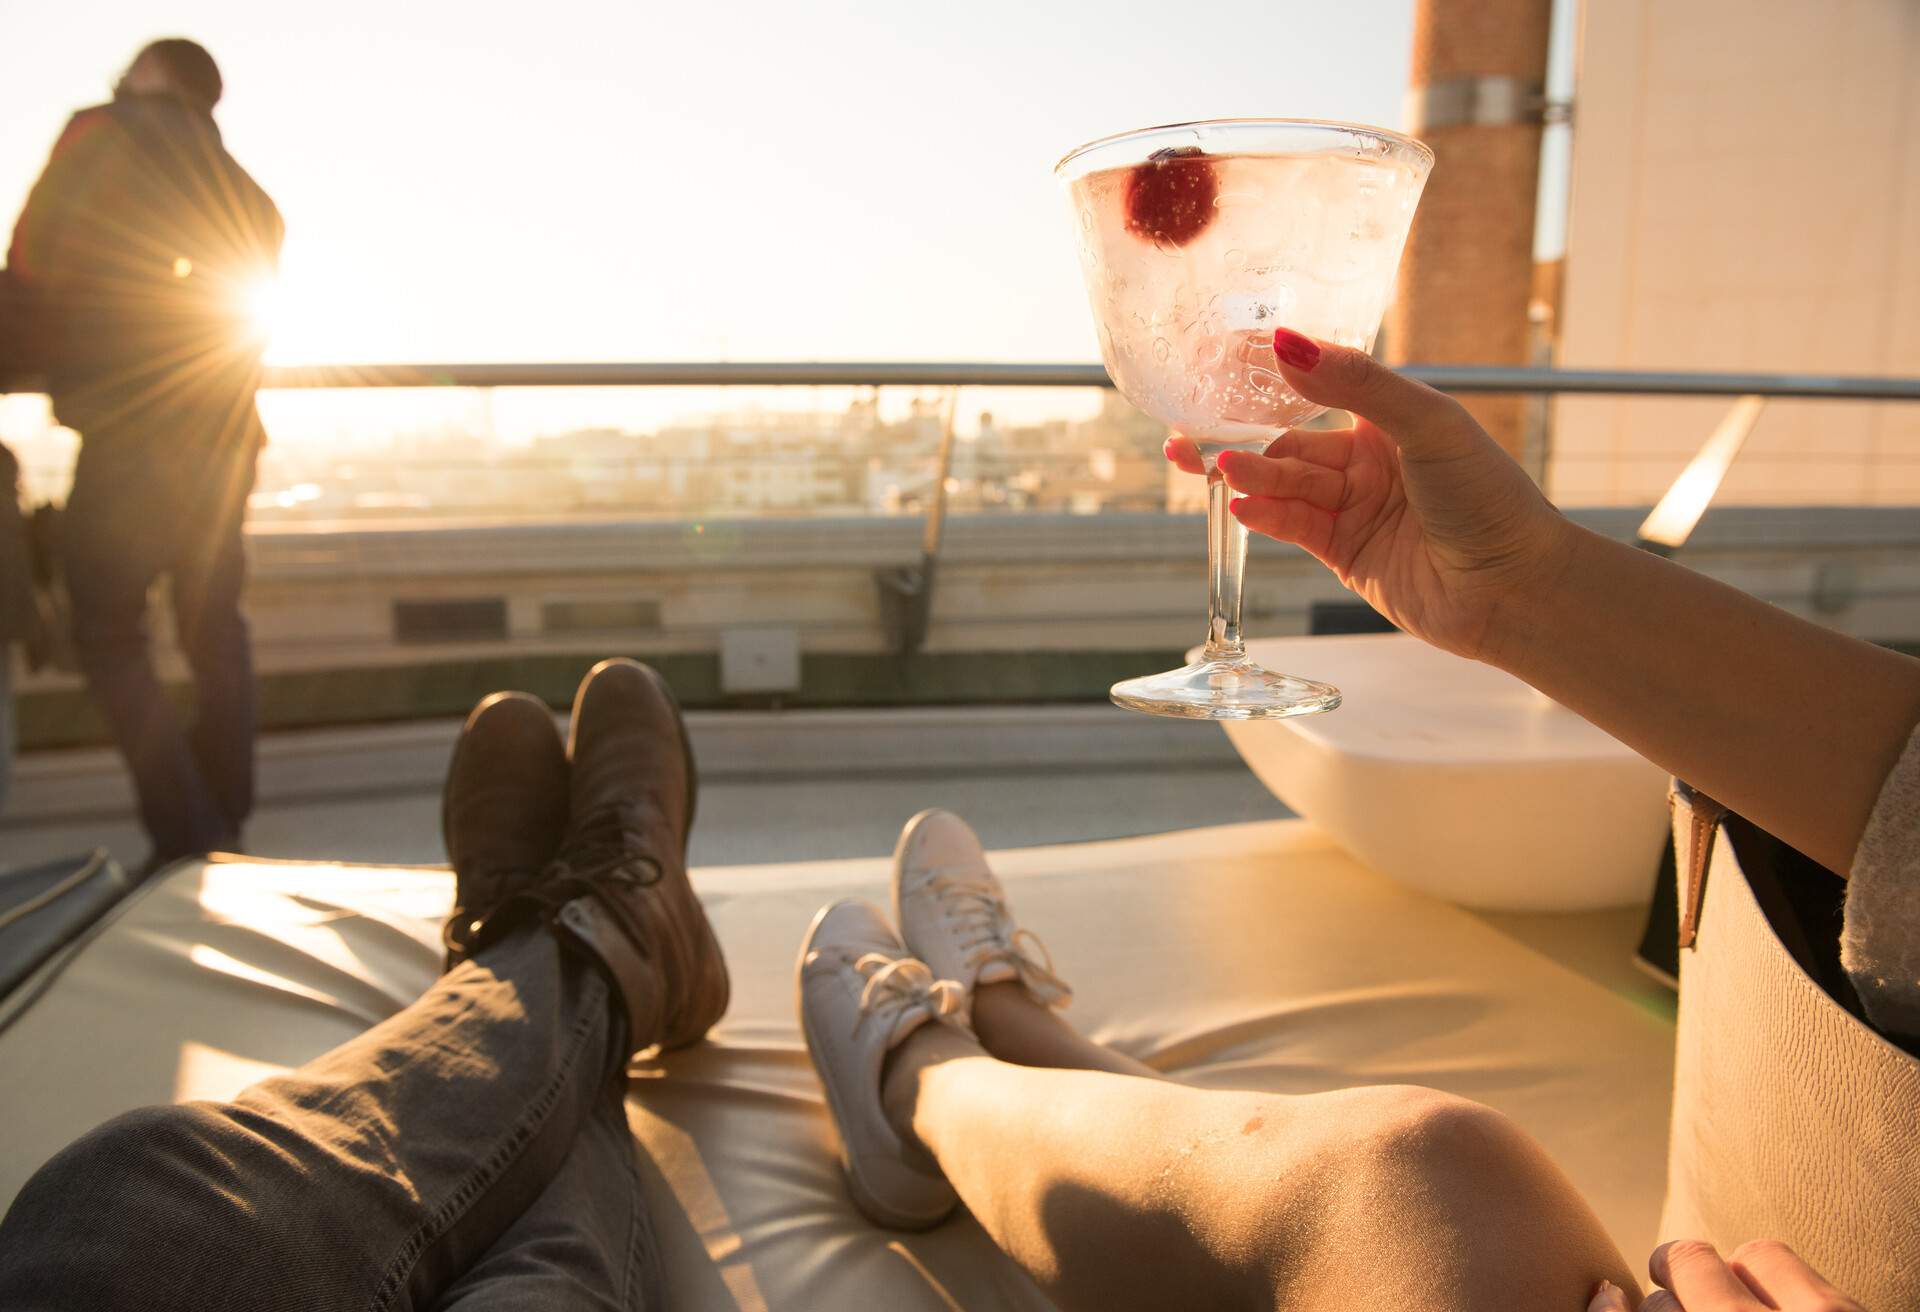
1225,688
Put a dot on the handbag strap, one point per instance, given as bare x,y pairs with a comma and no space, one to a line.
1696,819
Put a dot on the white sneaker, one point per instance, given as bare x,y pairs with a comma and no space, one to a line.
953,913
861,993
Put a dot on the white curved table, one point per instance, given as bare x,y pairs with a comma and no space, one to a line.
1459,780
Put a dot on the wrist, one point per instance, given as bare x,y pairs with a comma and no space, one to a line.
1529,611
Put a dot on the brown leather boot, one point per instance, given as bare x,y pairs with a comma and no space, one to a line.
624,858
502,816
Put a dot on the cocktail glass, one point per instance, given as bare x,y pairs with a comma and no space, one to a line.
1197,241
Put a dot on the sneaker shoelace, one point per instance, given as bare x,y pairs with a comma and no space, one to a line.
900,984
987,933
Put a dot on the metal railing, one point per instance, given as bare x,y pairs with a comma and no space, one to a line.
1448,378
907,592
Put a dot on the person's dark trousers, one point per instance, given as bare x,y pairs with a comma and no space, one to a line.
471,1153
127,525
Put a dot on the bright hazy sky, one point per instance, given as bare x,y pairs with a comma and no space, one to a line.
563,180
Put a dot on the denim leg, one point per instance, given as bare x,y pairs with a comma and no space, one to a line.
207,581
585,1244
372,1177
8,740
110,559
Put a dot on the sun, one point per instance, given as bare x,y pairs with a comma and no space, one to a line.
297,323
263,303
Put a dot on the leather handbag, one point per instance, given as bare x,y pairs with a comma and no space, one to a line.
1792,1118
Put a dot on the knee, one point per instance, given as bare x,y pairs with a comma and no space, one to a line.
122,1140
106,644
126,1214
126,1167
1497,1212
124,1160
1428,1146
1430,1133
212,638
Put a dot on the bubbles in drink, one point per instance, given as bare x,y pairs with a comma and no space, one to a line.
1188,293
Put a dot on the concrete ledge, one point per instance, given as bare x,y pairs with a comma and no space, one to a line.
743,746
348,550
411,685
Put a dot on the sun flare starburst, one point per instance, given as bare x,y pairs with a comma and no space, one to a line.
265,309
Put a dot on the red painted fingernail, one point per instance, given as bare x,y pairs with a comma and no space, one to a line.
1292,348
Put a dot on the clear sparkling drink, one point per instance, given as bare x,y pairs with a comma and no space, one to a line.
1192,259
1197,241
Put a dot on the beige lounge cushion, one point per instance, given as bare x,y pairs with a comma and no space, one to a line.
1254,956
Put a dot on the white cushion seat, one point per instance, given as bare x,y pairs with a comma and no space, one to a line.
1253,956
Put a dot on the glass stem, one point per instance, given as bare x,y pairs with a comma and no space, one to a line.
1226,570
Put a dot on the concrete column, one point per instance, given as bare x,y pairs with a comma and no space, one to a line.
1479,67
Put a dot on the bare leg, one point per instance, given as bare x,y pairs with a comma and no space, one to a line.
1015,1028
1117,1192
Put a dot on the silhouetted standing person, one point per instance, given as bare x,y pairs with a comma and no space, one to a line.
137,248
16,602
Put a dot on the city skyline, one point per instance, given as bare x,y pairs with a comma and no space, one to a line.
875,453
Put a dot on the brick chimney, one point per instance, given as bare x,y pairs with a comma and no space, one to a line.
1476,95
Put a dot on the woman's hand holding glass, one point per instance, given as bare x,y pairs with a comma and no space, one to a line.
1791,724
1415,507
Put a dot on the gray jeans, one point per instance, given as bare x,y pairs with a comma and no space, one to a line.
7,738
470,1152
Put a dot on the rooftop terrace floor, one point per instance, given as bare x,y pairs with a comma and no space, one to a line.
776,785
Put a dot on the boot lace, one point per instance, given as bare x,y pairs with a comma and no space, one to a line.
608,846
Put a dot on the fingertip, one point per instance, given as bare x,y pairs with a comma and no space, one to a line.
1296,350
1681,1252
1180,450
1607,1297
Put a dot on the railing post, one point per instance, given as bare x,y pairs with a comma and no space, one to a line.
906,593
